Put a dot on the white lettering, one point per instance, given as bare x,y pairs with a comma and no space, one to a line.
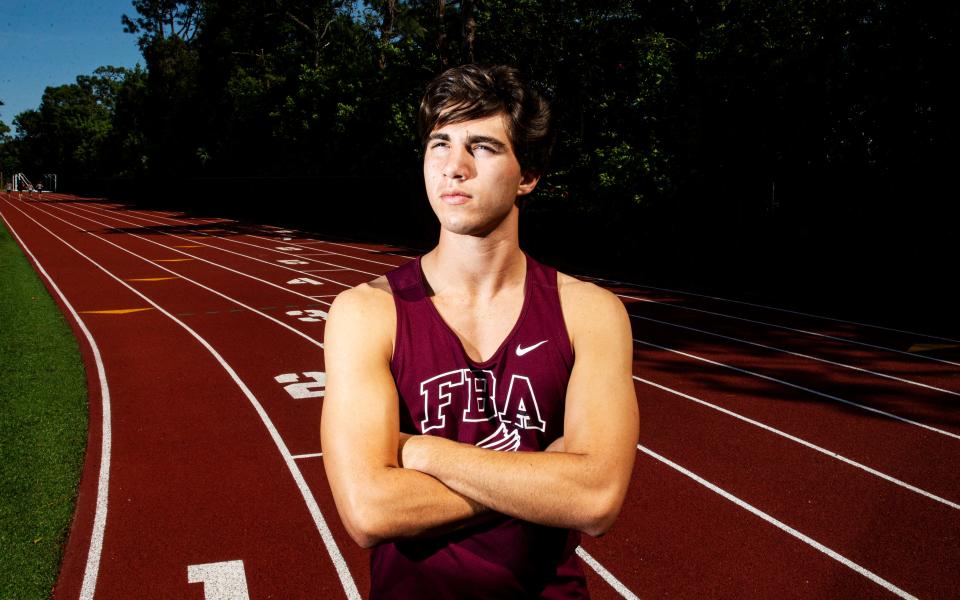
523,418
436,397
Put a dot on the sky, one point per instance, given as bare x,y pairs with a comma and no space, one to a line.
49,42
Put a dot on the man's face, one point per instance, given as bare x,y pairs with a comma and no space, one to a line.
472,175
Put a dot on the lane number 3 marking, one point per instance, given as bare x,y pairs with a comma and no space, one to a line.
221,580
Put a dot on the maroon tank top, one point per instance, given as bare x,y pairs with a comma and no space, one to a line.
514,401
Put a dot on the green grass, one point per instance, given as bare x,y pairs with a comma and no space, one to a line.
43,428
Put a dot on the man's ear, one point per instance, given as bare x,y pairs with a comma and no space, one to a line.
528,181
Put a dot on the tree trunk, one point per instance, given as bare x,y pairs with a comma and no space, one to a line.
442,36
469,30
386,32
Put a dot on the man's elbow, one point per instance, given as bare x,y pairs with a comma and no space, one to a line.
365,524
602,513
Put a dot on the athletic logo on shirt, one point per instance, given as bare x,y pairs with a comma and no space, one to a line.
476,391
521,350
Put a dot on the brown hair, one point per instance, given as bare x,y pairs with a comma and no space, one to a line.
474,91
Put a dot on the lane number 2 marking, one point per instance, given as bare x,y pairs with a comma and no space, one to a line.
292,261
289,248
221,580
312,315
304,280
298,390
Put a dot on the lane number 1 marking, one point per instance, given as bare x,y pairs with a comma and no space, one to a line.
298,390
292,261
221,580
289,248
304,280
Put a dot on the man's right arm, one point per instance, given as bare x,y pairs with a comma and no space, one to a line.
377,499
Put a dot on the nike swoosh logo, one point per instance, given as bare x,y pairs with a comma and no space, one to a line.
521,350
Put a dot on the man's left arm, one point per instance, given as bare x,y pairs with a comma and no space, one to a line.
583,486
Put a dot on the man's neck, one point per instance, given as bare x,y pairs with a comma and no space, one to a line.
479,267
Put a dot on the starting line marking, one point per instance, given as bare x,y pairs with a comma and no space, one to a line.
152,278
929,347
311,455
115,311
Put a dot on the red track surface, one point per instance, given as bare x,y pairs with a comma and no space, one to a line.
810,458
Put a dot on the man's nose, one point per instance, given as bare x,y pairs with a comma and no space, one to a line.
459,164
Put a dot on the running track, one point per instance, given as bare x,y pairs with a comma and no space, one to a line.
781,455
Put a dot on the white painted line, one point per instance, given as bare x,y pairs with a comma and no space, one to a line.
338,253
780,525
606,575
776,308
346,579
196,283
805,443
795,330
241,273
805,389
196,241
368,251
312,455
324,270
801,355
92,568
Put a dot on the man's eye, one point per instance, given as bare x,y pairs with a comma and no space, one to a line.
484,147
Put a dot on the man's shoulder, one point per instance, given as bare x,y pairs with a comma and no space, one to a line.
368,302
584,295
589,309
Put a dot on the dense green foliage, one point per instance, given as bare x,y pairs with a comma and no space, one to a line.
673,117
42,429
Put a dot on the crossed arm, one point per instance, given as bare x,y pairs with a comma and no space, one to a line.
388,486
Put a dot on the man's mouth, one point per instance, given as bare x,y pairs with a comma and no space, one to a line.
456,197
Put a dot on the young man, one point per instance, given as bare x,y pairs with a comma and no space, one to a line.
480,411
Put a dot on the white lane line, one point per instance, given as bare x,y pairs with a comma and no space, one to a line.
795,330
776,308
346,579
336,244
92,568
803,442
216,264
800,355
258,246
215,247
196,283
311,455
802,388
779,525
332,252
367,250
605,574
